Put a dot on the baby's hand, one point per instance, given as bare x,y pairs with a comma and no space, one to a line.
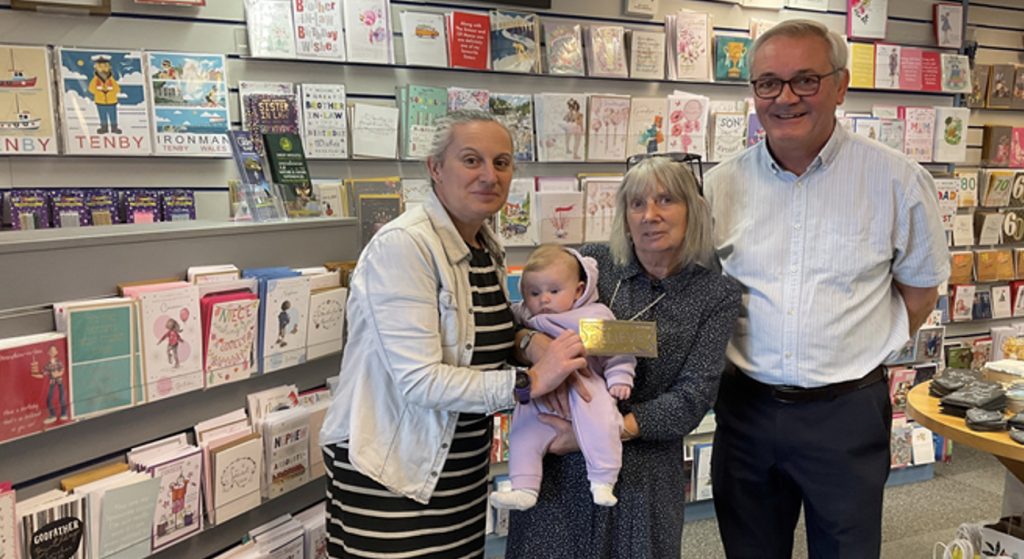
619,391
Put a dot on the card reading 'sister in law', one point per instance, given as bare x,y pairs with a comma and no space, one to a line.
619,337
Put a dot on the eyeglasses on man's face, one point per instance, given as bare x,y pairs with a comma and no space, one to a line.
803,85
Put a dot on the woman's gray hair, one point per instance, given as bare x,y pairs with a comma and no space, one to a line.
677,180
443,134
796,28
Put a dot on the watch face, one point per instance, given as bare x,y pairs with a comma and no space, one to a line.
522,380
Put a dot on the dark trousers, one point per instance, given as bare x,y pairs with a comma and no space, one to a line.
770,458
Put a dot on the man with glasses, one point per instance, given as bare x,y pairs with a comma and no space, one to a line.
838,244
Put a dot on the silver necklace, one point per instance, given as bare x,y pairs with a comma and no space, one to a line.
645,309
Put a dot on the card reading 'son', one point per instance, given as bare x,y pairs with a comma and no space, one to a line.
619,337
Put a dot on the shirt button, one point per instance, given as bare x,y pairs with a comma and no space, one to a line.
433,474
444,445
469,347
792,269
789,354
796,226
789,312
799,184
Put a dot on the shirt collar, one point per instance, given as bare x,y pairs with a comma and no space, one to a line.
455,246
824,158
634,269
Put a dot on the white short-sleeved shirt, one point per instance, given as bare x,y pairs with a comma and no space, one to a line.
817,255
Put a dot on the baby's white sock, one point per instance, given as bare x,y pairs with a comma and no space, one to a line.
603,494
517,499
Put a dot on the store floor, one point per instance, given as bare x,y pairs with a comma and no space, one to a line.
917,515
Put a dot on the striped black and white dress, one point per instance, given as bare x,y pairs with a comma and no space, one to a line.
367,520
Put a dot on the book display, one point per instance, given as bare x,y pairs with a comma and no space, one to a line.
316,140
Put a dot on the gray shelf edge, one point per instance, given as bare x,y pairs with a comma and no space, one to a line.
215,539
35,458
12,242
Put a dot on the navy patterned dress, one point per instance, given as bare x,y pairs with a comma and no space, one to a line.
673,392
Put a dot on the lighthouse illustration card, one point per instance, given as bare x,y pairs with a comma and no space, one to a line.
103,100
27,125
190,103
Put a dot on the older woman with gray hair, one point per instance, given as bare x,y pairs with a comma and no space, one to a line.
407,438
656,269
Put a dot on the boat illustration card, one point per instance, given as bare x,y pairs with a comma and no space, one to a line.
34,374
189,95
103,99
172,342
27,125
178,508
515,111
600,208
646,126
561,217
324,121
101,351
515,45
517,225
318,30
561,126
375,131
286,317
609,120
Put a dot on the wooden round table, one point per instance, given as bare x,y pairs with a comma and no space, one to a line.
925,410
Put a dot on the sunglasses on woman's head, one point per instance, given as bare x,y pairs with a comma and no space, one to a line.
690,159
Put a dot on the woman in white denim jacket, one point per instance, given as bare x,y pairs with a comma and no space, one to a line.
407,438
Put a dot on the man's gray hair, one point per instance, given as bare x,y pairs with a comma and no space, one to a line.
796,28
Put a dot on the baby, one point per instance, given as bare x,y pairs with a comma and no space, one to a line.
559,288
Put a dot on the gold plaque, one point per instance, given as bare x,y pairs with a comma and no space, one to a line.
619,337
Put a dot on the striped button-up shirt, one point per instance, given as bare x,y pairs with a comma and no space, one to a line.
817,255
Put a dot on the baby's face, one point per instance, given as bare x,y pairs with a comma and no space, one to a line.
553,289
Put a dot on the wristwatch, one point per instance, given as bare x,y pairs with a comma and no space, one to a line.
525,342
523,384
